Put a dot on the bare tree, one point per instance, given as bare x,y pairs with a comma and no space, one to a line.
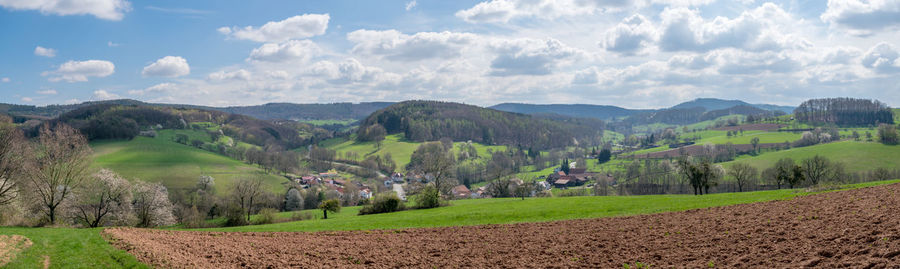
816,169
105,198
151,204
743,174
12,157
60,164
431,159
245,193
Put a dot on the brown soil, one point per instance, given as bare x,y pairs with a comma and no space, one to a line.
752,127
12,245
857,228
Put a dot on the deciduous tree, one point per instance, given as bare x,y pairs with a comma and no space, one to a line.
60,165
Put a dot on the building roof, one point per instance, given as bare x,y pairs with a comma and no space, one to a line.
561,182
460,189
577,171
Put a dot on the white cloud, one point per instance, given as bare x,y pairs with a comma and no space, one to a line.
112,44
104,95
296,27
410,5
630,36
4,80
158,88
240,74
42,51
862,17
397,46
169,66
529,56
351,71
47,92
27,99
112,10
292,50
502,11
758,29
883,58
80,71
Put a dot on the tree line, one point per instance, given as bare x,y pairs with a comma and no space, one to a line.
844,112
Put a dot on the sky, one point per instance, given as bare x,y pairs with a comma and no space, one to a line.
629,53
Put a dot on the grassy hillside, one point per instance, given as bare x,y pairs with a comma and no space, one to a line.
69,248
512,210
400,149
858,156
177,166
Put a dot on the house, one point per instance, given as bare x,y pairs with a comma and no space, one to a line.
397,177
306,179
328,175
365,193
338,182
461,192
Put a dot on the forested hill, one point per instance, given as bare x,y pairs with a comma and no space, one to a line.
576,110
710,104
272,111
289,111
432,120
114,121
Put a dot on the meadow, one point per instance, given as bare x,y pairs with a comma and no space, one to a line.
175,165
857,156
514,210
69,248
401,150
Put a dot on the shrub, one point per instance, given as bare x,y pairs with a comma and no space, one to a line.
429,198
234,216
383,203
333,205
267,216
301,215
193,219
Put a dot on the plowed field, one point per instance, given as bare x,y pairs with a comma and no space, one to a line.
856,228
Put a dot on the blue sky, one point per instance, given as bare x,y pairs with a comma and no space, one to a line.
632,53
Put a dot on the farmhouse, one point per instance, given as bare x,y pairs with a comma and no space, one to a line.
461,192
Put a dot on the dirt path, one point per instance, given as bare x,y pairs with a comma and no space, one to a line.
856,228
10,246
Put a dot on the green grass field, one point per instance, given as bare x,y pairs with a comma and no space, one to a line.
764,137
69,248
512,210
175,165
857,156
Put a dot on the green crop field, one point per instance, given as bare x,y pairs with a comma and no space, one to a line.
68,248
857,156
175,165
512,210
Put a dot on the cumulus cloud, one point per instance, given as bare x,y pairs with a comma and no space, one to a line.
630,36
588,75
47,92
113,10
758,29
80,71
529,56
158,88
104,95
296,27
502,11
862,17
882,58
397,46
42,51
350,71
292,50
239,74
169,66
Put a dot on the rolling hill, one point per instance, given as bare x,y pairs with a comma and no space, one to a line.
430,120
603,112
